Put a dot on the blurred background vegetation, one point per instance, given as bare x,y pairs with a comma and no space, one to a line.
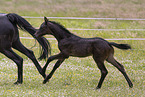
78,77
79,8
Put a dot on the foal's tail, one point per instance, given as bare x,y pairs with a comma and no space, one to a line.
120,46
26,26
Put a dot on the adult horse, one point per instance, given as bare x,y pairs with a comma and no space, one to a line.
9,38
72,45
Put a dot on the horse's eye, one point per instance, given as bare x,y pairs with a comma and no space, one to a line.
42,27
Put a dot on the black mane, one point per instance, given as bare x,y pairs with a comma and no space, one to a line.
60,26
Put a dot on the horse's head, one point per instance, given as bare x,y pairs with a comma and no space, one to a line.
44,29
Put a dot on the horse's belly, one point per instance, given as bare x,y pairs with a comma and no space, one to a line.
81,51
80,55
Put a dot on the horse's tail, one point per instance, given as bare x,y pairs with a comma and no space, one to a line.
26,26
120,46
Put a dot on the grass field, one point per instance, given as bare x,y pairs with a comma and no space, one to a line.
79,76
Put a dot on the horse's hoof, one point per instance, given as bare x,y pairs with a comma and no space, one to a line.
45,81
131,86
17,83
98,88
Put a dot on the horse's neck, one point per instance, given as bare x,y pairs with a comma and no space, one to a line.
60,34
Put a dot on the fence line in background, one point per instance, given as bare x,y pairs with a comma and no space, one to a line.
95,29
87,18
94,19
103,29
108,29
105,39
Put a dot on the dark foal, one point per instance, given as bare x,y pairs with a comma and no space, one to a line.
72,45
9,38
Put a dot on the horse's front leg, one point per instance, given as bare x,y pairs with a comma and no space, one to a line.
51,58
18,60
58,63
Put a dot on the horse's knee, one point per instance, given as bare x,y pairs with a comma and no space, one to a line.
104,72
19,62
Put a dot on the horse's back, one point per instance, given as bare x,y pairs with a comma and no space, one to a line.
82,47
6,27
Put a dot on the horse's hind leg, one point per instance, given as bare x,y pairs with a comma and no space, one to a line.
103,70
20,47
120,67
18,60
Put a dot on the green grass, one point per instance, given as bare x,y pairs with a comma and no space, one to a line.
79,76
76,77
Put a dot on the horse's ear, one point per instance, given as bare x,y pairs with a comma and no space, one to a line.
46,20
